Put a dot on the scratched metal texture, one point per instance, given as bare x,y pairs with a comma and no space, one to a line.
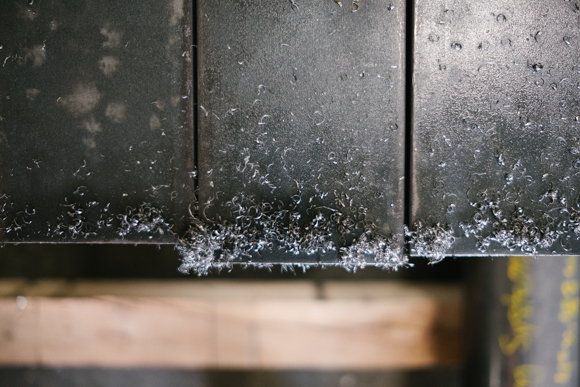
302,103
496,133
95,118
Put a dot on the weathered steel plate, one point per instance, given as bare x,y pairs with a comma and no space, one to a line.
496,141
95,120
301,127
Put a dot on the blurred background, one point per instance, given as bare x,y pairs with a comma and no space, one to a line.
118,315
112,315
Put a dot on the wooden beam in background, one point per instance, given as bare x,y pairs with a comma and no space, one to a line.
230,324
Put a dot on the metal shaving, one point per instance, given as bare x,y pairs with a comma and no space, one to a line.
432,242
146,219
255,228
511,226
386,253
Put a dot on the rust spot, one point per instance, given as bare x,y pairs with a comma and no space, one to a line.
83,99
115,112
90,142
31,94
176,12
113,37
36,55
108,65
92,126
154,122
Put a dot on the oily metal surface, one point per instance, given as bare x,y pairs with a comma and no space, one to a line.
496,133
95,120
301,109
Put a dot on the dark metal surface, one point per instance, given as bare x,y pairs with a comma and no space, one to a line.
301,122
496,105
301,112
76,261
95,120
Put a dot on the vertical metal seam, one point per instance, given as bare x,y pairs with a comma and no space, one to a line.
409,40
195,93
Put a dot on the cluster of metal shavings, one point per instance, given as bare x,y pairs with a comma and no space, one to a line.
574,223
82,221
511,226
72,224
386,253
261,227
145,219
432,242
18,222
210,245
257,228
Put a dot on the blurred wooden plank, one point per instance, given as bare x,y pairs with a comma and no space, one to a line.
388,289
402,327
351,334
206,289
125,332
19,334
9,287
